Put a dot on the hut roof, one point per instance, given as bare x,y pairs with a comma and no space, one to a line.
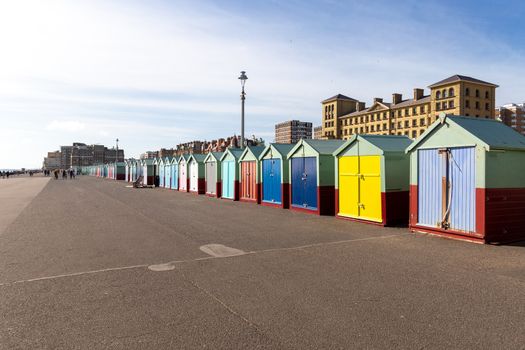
386,143
319,146
491,133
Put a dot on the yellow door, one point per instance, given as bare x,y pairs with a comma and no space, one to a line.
349,186
370,188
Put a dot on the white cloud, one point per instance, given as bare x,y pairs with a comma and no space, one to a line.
66,125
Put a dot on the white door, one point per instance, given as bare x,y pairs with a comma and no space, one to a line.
194,179
183,177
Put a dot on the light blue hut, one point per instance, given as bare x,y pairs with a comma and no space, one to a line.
230,173
174,181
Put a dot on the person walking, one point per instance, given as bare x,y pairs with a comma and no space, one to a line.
56,174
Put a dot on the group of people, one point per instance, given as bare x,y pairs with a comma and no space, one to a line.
5,174
71,172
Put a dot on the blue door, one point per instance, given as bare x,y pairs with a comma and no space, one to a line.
304,182
462,182
228,178
174,176
161,175
167,176
447,188
271,169
431,172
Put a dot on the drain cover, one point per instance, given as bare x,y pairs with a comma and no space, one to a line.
220,251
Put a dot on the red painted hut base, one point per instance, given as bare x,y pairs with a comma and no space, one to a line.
285,198
201,187
325,202
499,216
394,209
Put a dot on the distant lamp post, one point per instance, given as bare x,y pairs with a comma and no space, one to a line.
243,79
116,155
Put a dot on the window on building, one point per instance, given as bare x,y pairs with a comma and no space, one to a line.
467,92
406,112
385,126
422,121
486,106
444,105
421,132
393,126
444,93
451,104
477,92
438,95
414,134
477,105
451,92
406,133
399,125
414,122
438,106
414,112
486,94
467,103
372,128
406,124
422,109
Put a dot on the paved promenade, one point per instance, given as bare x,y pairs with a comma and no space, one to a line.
91,264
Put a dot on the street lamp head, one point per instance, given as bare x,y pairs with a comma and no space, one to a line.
243,78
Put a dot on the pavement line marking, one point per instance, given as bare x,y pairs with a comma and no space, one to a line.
73,274
171,265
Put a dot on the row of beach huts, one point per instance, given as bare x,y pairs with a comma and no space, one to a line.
463,178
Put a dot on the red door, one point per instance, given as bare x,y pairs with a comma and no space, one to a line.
248,189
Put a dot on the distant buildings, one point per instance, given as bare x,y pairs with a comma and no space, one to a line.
202,147
53,160
318,132
513,115
344,116
149,155
80,154
292,131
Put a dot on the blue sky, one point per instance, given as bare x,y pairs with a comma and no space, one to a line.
156,73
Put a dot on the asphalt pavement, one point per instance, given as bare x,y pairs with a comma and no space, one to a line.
93,264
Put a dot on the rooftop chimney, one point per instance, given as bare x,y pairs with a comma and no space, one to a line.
360,106
377,99
396,98
418,94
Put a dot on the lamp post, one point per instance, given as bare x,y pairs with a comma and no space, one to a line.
116,155
243,79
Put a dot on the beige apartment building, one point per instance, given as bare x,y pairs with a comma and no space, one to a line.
513,115
457,95
292,131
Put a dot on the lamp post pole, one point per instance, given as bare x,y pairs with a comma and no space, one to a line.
243,79
116,155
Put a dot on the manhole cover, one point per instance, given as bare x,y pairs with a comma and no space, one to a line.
220,251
